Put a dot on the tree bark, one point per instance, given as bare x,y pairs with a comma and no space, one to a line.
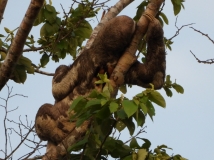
17,45
2,8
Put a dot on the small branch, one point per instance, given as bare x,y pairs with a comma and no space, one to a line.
206,35
209,61
34,150
35,158
140,131
44,73
20,143
179,29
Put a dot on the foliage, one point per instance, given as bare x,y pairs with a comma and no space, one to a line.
59,36
109,115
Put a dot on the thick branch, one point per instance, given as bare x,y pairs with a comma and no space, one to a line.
2,8
17,45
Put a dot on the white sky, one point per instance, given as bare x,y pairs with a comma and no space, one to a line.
186,123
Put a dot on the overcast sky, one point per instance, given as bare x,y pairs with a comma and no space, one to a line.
186,125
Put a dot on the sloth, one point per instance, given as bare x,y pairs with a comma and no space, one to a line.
106,50
52,121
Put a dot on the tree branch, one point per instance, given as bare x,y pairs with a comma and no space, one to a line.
208,61
179,29
2,8
45,73
206,35
17,45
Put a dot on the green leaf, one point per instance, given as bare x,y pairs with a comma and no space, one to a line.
93,102
129,107
136,101
133,144
103,113
147,144
123,89
72,47
140,118
27,63
130,125
103,102
163,16
168,91
50,14
178,88
151,109
7,30
113,107
82,118
157,98
50,8
84,30
44,60
106,126
40,18
121,114
176,6
120,126
144,108
19,74
168,81
77,102
78,144
141,154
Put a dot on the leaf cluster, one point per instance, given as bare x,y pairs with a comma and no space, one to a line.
109,114
168,85
59,36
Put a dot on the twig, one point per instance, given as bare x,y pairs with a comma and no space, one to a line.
206,35
20,143
208,61
179,29
140,131
34,150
